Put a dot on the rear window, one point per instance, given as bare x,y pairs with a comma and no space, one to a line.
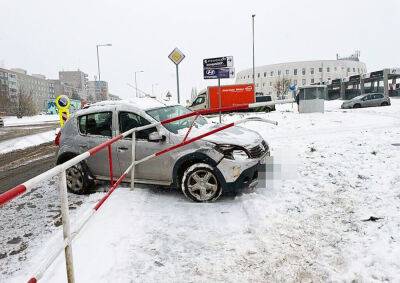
98,124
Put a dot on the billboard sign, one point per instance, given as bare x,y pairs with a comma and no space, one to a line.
219,73
219,62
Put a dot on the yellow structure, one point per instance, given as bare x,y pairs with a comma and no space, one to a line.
63,103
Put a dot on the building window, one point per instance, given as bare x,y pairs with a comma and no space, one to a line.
295,72
279,72
328,69
303,81
272,73
354,70
295,82
312,71
258,75
348,70
270,83
263,84
248,76
335,69
320,70
265,74
256,84
312,81
303,71
287,72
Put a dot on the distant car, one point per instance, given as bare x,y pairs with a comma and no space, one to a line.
1,122
367,100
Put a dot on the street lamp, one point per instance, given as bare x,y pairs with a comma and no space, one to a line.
98,59
136,81
254,71
152,89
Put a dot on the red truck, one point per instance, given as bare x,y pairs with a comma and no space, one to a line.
231,95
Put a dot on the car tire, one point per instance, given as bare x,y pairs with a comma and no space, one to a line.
78,181
200,183
357,105
384,103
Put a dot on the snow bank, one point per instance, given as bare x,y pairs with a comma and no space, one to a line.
31,120
26,141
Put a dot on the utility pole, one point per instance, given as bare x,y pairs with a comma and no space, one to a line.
136,82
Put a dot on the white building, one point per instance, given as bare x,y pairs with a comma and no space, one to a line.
301,73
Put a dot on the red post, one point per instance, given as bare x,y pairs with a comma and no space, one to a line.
110,162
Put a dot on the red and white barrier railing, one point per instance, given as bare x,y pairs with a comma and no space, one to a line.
61,170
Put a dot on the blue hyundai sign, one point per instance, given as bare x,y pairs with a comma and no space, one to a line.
219,73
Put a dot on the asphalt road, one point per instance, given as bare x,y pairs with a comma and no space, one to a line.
19,166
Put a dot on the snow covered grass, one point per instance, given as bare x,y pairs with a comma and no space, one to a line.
29,120
26,141
332,213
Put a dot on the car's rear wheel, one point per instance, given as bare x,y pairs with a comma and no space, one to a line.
77,179
357,105
200,184
384,103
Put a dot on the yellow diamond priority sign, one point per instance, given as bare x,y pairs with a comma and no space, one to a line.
176,56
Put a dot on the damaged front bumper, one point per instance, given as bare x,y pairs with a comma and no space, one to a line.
241,174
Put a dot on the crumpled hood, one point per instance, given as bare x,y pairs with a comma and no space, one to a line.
234,135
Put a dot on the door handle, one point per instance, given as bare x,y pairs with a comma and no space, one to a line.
122,149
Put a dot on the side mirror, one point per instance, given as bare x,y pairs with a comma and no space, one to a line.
156,137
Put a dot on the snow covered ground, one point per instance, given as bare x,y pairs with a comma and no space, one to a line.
334,171
26,141
31,120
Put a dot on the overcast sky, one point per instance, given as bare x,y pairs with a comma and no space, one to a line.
47,36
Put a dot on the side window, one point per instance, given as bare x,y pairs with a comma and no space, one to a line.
378,96
128,120
97,124
199,100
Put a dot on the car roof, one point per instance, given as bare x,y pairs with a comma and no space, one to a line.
137,105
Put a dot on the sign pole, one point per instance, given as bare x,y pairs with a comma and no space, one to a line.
177,83
176,56
219,98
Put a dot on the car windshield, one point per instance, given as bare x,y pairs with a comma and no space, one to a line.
161,114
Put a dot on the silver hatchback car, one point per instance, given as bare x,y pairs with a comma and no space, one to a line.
367,100
227,160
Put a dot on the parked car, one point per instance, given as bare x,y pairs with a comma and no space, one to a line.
1,122
227,160
367,100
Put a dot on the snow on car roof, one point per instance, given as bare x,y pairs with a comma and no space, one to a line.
143,103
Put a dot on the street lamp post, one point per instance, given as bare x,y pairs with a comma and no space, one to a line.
136,82
254,70
152,89
98,57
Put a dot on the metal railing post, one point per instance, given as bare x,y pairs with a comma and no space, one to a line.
133,160
66,226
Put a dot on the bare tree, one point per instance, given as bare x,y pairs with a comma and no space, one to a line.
25,104
281,87
5,101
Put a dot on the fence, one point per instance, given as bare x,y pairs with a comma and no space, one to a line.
61,170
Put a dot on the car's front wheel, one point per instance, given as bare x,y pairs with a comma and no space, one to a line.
77,179
384,103
357,105
200,184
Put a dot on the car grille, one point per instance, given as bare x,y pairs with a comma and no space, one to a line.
258,150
